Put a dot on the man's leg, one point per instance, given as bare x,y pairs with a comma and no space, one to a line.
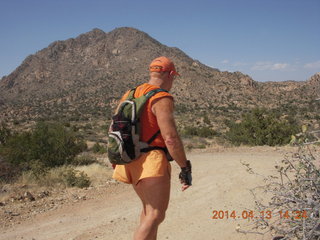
154,193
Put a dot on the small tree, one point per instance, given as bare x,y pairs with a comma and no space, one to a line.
54,145
50,144
17,149
262,127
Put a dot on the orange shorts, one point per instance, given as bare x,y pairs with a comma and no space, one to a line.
150,164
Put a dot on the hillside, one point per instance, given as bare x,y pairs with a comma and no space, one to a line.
80,79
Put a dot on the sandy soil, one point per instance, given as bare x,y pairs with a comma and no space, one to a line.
220,183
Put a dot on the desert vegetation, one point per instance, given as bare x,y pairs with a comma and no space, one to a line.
262,127
294,208
49,144
48,148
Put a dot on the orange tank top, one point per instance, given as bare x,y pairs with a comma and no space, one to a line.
148,121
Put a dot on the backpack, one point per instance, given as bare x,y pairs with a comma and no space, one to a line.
124,143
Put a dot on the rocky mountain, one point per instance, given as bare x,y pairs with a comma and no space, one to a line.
82,78
314,85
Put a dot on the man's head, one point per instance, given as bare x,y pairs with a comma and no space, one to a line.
163,64
162,72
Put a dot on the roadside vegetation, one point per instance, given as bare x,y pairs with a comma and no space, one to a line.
49,153
262,127
294,193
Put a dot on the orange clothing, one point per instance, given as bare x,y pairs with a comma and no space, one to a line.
153,163
149,125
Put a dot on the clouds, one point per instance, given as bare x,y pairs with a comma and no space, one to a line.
294,69
289,69
229,63
262,66
313,65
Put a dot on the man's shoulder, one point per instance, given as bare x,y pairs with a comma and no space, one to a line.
164,104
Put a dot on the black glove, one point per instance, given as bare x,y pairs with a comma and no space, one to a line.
185,174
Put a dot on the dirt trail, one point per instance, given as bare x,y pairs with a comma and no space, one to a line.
220,183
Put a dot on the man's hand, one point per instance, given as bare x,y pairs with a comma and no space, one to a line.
185,176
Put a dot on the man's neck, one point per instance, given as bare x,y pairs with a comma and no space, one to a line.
156,82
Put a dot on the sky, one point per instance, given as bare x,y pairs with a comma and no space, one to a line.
270,40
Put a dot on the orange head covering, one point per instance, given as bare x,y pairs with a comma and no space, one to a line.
163,64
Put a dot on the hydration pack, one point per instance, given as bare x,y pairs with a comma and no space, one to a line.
124,143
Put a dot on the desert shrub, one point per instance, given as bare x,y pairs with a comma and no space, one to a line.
294,197
48,145
74,178
202,146
206,119
55,145
262,127
205,132
37,169
97,148
64,176
5,133
84,159
195,143
181,108
7,171
17,149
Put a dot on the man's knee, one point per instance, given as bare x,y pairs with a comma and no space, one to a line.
161,217
156,217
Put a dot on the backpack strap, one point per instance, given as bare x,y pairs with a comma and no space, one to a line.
148,149
154,91
153,137
149,95
131,93
164,149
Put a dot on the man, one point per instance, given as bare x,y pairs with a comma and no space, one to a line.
150,173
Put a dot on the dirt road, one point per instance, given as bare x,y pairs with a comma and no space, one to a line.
220,183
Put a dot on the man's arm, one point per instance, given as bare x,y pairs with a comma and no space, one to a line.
163,110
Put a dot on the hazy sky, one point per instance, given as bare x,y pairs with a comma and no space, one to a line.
270,40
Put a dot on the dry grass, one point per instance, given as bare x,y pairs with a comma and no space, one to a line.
97,173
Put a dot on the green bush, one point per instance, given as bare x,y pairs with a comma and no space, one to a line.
262,127
74,178
97,148
83,159
49,144
17,149
38,169
205,132
5,133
